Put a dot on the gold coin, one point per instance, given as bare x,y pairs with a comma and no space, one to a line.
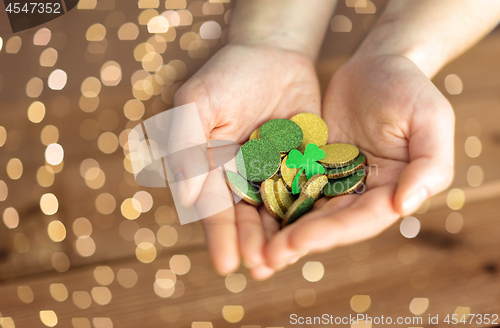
339,154
254,135
314,186
269,198
283,195
314,129
289,174
301,206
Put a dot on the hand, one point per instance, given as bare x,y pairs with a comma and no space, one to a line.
388,108
238,89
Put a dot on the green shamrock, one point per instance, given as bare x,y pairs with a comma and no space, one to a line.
306,162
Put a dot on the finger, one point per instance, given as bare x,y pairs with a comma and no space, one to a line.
430,170
365,217
261,272
250,234
270,224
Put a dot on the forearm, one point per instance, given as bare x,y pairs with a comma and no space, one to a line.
296,25
429,32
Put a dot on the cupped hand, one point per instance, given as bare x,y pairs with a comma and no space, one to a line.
389,109
238,89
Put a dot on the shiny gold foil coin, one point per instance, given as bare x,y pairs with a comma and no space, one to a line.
269,198
314,129
314,186
283,195
339,154
336,173
243,188
289,174
254,135
301,206
344,186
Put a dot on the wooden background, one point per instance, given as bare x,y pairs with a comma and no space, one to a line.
455,272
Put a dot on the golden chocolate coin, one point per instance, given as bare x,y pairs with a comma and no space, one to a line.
339,154
340,172
314,186
289,174
283,195
243,188
314,129
254,135
301,206
269,198
346,185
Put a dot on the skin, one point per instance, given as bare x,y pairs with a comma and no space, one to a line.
382,100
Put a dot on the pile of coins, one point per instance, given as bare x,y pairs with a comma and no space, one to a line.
288,165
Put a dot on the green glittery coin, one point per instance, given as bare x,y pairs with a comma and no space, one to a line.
335,173
301,206
285,134
244,189
258,160
344,186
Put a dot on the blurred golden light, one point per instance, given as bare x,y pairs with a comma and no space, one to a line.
165,215
186,39
235,282
104,275
455,199
48,57
360,303
14,168
233,313
180,68
158,24
54,154
410,227
48,318
45,176
3,136
59,292
49,204
454,222
173,17
42,37
107,142
152,62
7,322
419,305
473,147
89,129
34,87
101,295
198,49
25,294
146,16
128,31
85,246
80,323
159,43
305,297
127,278
82,227
134,109
95,32
56,231
97,47
36,112
81,299
453,84
212,8
180,264
210,30
475,176
165,278
49,134
201,324
4,191
86,165
88,105
163,292
10,218
175,4
365,7
167,236
105,203
144,235
144,201
57,79
87,4
56,168
111,73
185,17
102,323
13,45
462,313
145,252
313,271
60,262
359,272
1,43
148,4
91,87
21,243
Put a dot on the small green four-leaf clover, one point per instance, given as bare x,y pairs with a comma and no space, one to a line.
306,162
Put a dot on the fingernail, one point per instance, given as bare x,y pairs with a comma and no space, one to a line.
412,203
294,259
249,265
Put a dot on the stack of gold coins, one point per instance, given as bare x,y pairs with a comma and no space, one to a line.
287,165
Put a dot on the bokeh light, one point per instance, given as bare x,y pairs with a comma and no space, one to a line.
313,271
410,227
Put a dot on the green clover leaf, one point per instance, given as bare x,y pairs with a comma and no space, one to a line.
306,162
